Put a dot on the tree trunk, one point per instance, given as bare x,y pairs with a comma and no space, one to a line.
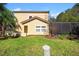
3,31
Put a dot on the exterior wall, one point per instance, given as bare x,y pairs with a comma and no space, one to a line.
31,25
24,16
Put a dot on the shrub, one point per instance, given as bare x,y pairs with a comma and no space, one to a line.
61,37
13,34
16,34
75,30
74,34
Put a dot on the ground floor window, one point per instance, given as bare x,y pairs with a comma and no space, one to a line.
40,28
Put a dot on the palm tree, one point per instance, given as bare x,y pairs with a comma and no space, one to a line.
1,10
7,19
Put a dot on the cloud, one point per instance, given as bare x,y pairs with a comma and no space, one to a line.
17,9
54,15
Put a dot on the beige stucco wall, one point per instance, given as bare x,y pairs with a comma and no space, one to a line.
25,16
32,25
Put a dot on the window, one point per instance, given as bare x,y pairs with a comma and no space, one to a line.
40,28
37,30
43,26
43,30
37,26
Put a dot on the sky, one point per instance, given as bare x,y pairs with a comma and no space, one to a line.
53,8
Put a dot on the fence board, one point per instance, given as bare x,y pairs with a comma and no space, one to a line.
62,27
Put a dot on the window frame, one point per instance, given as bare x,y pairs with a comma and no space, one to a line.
41,28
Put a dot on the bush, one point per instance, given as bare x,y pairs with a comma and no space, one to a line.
13,34
61,37
74,34
75,30
16,34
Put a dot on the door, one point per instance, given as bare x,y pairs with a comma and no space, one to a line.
25,29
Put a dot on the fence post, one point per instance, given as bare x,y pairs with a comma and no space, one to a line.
46,50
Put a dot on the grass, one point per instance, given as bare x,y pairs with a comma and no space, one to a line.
32,46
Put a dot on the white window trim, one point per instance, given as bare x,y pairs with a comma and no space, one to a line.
41,28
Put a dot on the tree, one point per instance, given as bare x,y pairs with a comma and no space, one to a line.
51,20
7,18
76,6
70,15
59,17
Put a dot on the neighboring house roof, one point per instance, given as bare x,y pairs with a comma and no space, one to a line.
31,11
33,18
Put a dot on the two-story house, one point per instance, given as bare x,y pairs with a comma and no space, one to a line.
33,22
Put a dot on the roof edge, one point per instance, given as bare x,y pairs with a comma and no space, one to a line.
31,11
28,20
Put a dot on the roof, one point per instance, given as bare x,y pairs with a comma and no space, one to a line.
33,18
31,11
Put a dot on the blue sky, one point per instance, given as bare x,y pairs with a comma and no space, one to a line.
54,8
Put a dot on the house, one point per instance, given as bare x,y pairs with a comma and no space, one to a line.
32,22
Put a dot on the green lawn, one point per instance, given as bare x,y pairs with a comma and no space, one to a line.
32,46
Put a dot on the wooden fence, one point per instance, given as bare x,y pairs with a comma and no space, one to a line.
62,27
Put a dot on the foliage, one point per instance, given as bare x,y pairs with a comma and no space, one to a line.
70,15
61,36
75,30
51,20
12,34
74,33
7,19
76,5
2,7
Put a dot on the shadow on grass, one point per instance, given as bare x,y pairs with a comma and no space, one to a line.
75,40
3,39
